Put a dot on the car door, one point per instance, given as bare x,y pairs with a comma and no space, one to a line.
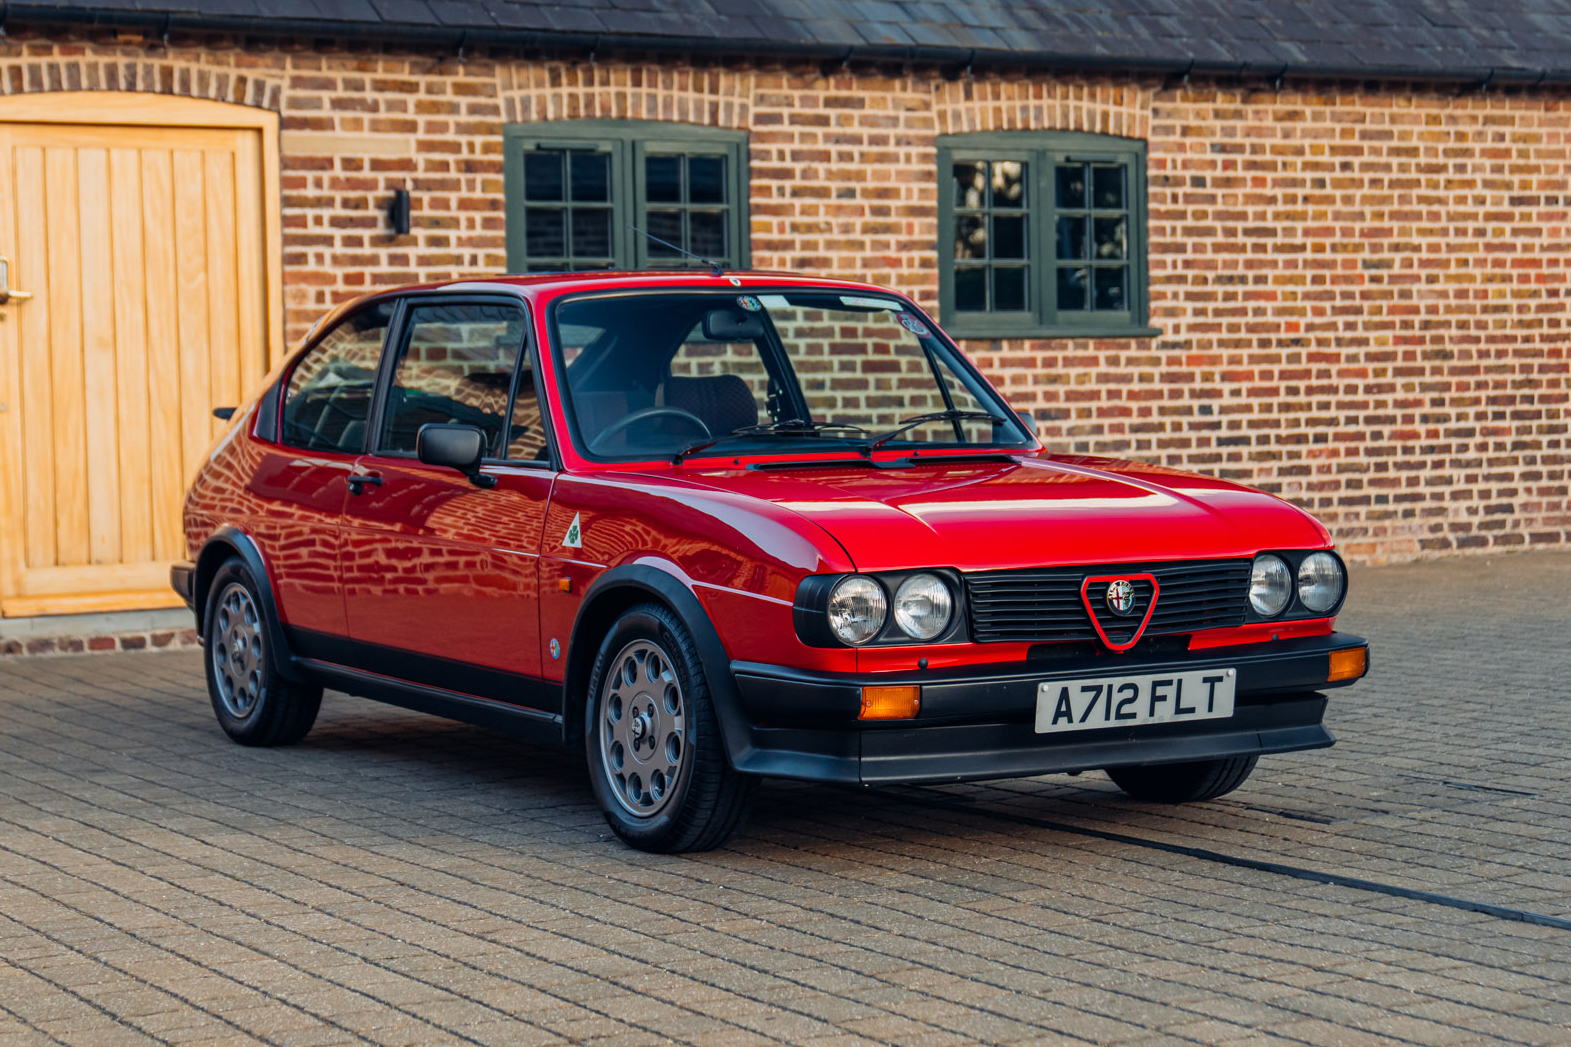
300,480
441,574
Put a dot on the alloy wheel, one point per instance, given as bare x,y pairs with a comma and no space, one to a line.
237,651
643,729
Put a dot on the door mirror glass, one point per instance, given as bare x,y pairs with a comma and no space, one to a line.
454,447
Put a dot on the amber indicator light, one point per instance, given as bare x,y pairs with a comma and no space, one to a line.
890,703
565,584
1349,664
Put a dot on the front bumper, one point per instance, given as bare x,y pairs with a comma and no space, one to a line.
978,722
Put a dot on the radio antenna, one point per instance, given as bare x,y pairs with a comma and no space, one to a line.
715,268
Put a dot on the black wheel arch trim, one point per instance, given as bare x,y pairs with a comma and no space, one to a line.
672,591
220,546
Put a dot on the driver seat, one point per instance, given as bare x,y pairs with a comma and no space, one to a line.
723,401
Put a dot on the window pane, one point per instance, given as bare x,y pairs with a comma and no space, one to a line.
1111,289
543,232
1009,186
1071,185
1072,237
591,177
667,225
970,237
456,368
1110,237
971,184
706,231
1009,290
971,290
1108,187
542,175
328,398
1071,288
591,233
526,433
706,180
1009,237
663,179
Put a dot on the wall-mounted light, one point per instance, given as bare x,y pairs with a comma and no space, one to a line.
398,212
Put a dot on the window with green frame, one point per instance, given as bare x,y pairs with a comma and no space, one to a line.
1042,233
575,189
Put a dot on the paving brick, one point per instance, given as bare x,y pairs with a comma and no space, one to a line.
398,879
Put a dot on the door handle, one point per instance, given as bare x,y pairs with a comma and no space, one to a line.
357,482
6,294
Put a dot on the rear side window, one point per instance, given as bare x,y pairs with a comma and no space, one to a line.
456,366
328,399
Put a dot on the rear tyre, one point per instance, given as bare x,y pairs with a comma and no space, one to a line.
656,762
255,705
1183,782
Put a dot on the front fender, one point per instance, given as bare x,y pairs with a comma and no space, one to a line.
613,592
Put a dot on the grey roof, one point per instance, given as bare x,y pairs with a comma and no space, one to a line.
1502,40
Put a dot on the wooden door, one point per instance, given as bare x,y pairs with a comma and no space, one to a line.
143,248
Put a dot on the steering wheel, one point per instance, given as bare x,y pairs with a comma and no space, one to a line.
597,445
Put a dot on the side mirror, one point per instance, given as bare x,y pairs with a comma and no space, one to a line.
728,325
1030,422
454,447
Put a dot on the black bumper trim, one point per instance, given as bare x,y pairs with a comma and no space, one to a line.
976,723
181,575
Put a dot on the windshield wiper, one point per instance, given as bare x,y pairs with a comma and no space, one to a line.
907,424
789,425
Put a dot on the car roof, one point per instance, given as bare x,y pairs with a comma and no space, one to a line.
548,285
542,287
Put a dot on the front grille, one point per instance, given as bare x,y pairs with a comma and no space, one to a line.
1042,604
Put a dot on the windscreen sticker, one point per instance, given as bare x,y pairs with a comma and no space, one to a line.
854,302
774,301
575,534
915,326
749,303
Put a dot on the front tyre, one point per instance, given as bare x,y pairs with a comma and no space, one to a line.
1183,782
656,762
255,705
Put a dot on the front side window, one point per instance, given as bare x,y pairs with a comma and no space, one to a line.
1042,234
786,372
575,190
457,365
328,399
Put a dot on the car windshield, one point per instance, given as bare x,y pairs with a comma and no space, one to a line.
663,374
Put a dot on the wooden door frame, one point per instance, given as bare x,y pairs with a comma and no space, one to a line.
140,108
143,109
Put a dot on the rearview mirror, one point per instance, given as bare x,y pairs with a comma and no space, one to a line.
728,325
454,447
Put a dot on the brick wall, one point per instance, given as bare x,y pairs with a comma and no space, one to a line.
1361,288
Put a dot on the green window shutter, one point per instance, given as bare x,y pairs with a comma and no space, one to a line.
1042,234
685,184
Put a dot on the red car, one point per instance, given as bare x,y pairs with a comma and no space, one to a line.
719,527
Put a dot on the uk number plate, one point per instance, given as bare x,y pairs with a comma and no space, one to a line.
1129,701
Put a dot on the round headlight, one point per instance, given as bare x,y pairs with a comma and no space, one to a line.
1321,582
923,605
857,609
1270,585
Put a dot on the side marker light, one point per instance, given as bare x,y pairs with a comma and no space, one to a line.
1348,664
890,703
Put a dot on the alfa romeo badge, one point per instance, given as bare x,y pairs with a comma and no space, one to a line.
1121,597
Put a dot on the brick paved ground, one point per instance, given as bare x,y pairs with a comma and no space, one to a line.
402,880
